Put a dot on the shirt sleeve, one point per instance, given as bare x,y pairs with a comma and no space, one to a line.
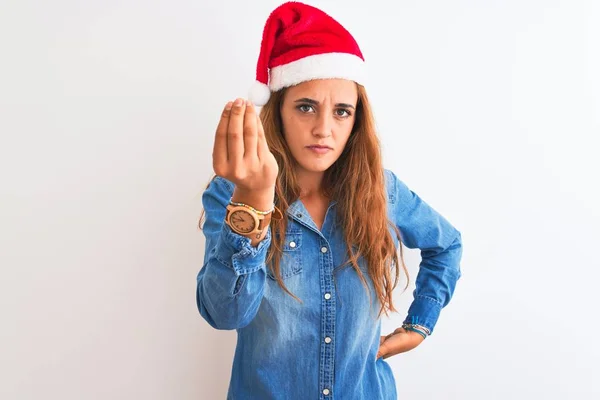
230,284
421,226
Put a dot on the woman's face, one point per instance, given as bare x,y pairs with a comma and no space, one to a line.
318,112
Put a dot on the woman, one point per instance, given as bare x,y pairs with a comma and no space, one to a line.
303,225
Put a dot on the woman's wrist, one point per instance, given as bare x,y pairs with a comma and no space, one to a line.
261,200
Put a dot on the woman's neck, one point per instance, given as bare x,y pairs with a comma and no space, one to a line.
310,184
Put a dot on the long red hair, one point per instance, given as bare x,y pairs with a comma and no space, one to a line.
357,182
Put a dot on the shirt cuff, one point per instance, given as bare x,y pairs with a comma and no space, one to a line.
424,311
236,251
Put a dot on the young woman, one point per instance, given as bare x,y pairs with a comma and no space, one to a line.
303,225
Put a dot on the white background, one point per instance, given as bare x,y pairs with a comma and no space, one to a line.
489,110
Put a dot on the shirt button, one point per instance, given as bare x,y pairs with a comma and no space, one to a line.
292,244
323,249
327,296
327,339
325,392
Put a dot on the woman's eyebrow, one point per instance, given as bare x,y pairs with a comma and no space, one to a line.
311,101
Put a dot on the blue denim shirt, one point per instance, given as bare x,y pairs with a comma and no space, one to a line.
326,347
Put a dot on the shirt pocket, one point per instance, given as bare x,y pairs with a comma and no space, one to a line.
291,258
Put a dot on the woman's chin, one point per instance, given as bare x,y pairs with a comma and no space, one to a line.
320,165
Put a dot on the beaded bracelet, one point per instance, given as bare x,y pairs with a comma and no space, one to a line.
423,331
418,331
423,328
252,208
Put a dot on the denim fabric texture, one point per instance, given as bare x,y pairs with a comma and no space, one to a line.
326,347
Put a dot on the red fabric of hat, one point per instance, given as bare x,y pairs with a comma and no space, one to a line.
301,43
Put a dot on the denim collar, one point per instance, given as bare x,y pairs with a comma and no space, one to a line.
298,211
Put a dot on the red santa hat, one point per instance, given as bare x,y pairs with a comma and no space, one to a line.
301,43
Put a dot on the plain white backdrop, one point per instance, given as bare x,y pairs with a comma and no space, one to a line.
489,110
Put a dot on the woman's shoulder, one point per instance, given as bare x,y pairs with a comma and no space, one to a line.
397,187
391,184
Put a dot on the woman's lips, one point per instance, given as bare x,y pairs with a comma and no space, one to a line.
319,150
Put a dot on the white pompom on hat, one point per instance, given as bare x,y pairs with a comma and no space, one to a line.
301,43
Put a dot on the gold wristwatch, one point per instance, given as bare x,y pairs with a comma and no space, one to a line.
246,220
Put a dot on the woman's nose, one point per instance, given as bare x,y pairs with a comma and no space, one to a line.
323,126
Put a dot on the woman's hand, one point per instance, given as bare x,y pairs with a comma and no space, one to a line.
399,341
241,153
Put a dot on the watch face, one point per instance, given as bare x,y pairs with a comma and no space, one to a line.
242,221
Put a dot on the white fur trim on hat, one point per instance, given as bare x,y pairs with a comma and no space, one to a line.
259,93
320,66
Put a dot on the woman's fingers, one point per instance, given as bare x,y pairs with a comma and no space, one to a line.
239,143
220,147
235,136
250,133
383,350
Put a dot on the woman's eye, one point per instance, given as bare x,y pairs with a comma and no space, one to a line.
304,108
343,111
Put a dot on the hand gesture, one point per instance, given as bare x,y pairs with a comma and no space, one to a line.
241,153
